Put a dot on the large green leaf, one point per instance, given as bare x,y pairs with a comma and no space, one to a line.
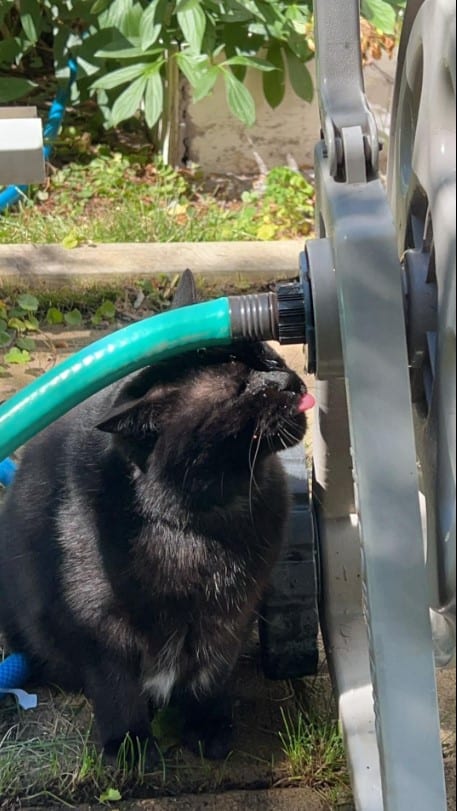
99,6
192,22
206,82
9,49
250,62
73,318
239,99
12,88
194,66
149,28
380,14
129,52
28,302
115,14
24,342
185,5
274,84
121,76
300,77
129,101
153,99
131,23
31,19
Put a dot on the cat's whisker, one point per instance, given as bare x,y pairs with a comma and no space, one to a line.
256,437
252,481
288,434
282,441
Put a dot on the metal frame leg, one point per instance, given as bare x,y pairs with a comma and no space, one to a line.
375,613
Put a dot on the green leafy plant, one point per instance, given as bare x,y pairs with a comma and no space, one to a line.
114,198
129,52
24,318
284,209
111,795
17,324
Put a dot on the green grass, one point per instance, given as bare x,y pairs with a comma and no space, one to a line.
314,749
113,197
55,758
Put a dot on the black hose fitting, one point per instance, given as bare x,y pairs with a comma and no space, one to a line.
291,313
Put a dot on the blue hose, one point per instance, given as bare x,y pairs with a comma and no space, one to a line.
7,471
12,194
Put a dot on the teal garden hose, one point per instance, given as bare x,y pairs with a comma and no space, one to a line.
255,317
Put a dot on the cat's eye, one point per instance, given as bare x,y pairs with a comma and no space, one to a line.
274,364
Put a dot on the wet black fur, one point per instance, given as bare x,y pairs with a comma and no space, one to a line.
141,531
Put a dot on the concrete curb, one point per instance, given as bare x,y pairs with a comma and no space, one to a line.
53,265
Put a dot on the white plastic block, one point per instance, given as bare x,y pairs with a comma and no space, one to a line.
21,147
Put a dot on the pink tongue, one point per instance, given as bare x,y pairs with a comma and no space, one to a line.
306,402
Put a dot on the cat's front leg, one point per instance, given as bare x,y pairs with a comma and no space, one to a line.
120,708
208,724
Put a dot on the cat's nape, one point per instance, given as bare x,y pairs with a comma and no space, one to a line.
138,538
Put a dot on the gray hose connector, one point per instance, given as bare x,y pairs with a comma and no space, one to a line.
254,317
279,316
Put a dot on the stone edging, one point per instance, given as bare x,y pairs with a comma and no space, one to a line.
53,265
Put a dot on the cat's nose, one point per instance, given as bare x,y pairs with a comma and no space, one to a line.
282,381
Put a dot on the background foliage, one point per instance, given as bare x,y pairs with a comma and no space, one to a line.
127,49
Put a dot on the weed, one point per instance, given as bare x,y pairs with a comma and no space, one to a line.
17,323
58,759
23,319
286,206
132,759
314,750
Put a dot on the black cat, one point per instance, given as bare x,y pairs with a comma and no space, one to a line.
140,532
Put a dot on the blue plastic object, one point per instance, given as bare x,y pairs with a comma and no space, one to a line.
14,671
12,194
7,471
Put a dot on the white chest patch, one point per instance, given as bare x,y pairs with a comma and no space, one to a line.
160,686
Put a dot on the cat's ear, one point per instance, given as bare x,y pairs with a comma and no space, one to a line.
186,291
132,420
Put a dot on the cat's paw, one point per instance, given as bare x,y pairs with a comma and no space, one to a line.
214,741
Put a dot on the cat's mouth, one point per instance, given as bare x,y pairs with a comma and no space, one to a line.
305,403
288,430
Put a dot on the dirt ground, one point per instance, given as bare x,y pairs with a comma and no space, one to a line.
257,777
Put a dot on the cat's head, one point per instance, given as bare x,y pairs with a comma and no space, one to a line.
223,407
